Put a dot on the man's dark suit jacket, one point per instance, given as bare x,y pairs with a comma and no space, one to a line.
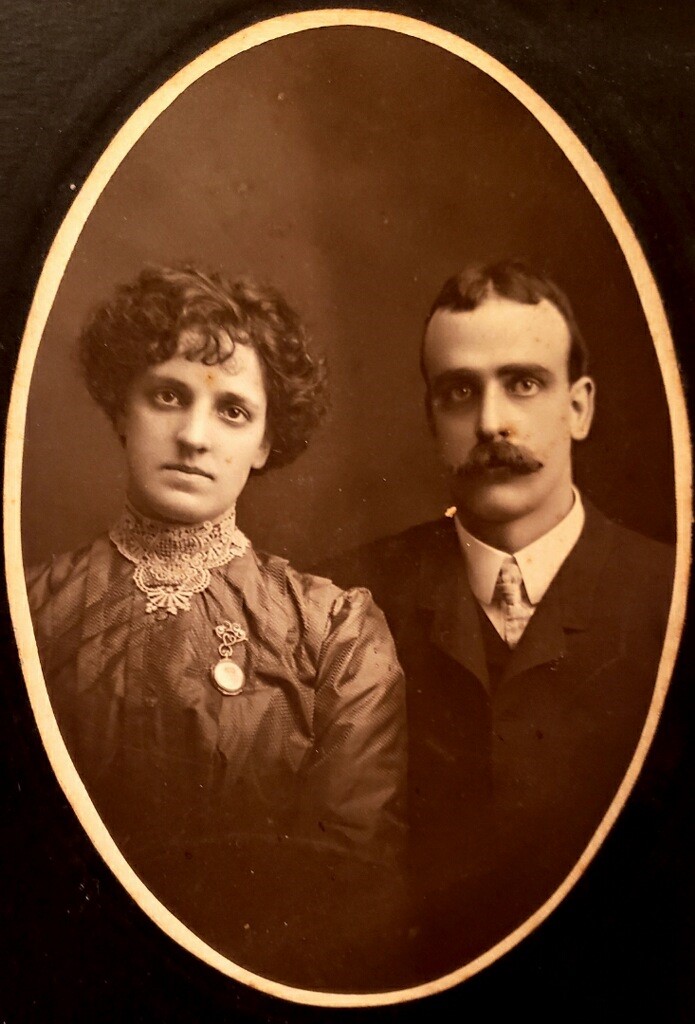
514,756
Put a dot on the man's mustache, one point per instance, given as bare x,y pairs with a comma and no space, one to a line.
499,455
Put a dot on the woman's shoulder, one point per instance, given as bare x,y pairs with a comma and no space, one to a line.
319,605
63,572
311,590
333,626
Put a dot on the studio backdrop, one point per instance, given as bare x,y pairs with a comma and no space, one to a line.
355,169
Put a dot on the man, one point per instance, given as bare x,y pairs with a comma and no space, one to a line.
529,626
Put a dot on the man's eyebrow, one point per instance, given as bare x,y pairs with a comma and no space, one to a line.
449,377
467,375
524,370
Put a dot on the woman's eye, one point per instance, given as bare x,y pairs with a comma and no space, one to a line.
524,386
233,413
166,397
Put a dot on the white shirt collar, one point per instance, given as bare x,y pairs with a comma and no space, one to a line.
539,562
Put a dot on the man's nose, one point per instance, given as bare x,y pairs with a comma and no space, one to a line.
194,429
493,415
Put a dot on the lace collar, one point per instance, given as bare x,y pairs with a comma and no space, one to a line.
172,563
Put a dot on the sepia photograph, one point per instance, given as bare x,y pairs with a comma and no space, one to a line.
347,508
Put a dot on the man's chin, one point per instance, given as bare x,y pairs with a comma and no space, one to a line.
497,499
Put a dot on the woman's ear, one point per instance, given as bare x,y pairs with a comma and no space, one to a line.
119,421
262,454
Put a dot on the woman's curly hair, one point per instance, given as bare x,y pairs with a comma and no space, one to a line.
148,320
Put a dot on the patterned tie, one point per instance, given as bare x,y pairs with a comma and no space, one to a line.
510,597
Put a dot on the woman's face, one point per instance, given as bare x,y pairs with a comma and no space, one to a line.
192,433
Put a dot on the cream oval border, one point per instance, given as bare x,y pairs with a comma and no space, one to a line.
46,290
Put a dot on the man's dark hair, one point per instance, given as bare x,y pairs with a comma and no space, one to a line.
510,279
146,321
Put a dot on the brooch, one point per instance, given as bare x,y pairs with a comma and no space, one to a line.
227,676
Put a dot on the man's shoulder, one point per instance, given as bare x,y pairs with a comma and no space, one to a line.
631,572
417,539
396,558
630,548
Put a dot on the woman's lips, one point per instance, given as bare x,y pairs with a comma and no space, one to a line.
180,467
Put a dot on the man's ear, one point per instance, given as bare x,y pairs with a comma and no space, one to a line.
429,412
261,456
582,396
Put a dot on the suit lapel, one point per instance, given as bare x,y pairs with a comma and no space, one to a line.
445,592
544,638
566,608
569,602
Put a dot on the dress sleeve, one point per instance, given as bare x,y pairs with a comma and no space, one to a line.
354,778
56,599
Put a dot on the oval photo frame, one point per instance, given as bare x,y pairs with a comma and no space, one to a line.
279,206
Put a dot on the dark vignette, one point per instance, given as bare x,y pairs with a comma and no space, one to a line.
622,944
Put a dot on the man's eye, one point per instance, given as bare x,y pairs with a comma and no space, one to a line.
524,386
457,393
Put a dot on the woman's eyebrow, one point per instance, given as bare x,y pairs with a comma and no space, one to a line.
222,397
161,380
237,398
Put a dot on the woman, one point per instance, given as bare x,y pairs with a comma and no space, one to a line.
238,725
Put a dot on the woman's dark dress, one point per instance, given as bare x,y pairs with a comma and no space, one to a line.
270,821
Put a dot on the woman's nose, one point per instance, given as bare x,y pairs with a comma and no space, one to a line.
493,414
194,428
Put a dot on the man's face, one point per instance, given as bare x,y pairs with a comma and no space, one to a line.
192,433
503,411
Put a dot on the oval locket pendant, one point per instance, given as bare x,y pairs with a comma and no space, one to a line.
228,677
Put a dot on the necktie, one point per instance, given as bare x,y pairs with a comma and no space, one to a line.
512,601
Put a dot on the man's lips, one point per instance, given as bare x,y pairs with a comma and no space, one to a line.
182,467
499,459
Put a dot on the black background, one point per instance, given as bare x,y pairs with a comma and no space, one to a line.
622,945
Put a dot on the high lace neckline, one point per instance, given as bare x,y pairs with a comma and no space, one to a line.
172,563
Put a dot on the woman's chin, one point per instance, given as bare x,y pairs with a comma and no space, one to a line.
179,512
